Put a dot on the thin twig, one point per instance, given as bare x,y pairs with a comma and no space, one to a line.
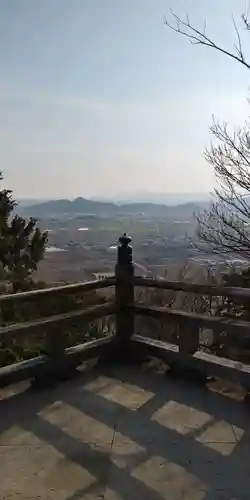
196,36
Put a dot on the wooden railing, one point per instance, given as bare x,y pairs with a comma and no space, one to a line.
186,357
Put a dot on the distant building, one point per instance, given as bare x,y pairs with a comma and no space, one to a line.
103,276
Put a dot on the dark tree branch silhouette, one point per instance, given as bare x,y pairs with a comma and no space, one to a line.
198,36
225,226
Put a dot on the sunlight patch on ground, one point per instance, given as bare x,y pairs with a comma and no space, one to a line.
92,431
79,425
170,480
129,396
180,418
32,465
221,437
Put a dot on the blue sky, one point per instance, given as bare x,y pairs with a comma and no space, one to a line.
99,97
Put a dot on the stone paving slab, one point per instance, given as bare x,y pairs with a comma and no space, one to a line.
128,434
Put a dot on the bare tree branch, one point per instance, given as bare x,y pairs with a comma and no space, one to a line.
224,228
238,46
196,36
245,17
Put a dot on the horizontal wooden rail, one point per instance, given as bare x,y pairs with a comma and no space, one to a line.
204,363
219,323
75,288
43,365
86,314
179,286
61,361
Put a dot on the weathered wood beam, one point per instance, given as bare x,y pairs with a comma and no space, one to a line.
232,326
44,366
75,288
179,286
201,362
87,314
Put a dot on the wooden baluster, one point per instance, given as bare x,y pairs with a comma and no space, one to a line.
188,337
188,333
59,368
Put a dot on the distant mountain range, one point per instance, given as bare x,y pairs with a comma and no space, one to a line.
25,202
170,199
82,206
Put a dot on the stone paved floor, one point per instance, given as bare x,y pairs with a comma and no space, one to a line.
124,434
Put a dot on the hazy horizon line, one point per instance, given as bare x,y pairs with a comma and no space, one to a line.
122,195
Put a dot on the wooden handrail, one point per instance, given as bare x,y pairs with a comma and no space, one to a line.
75,288
125,310
180,286
87,314
137,281
220,323
42,366
203,363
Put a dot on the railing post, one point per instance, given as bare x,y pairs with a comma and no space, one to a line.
59,368
188,337
188,346
124,293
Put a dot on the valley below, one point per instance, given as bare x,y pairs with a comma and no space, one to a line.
83,246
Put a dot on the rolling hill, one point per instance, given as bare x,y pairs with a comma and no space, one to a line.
82,206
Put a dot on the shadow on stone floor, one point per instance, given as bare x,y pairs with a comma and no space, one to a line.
125,433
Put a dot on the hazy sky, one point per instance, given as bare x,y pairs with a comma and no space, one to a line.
99,97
